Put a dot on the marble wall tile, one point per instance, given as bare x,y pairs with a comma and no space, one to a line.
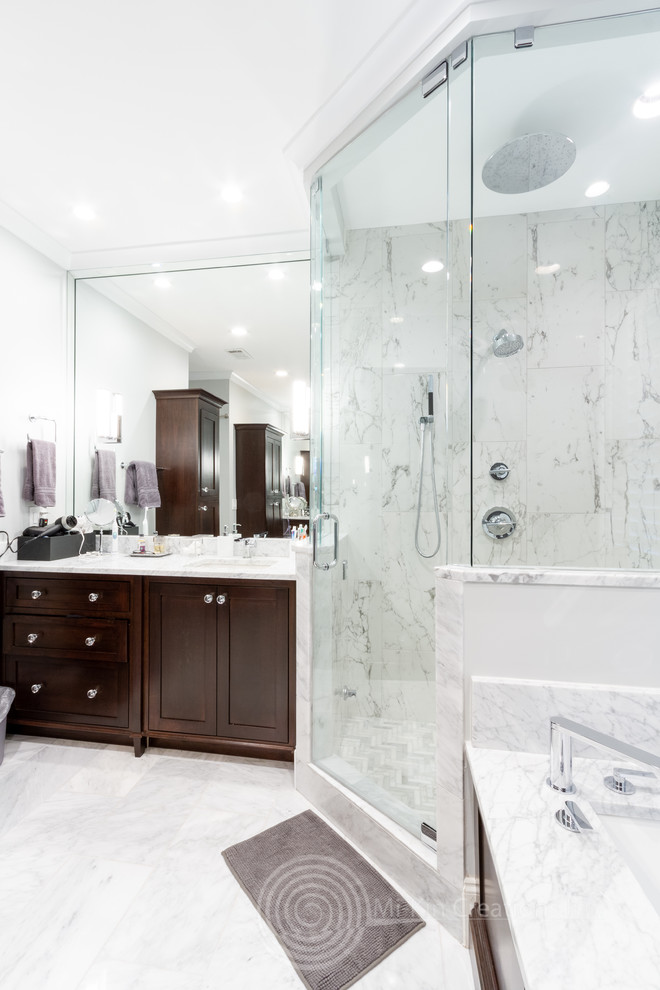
565,442
499,384
508,713
568,539
361,405
632,377
635,481
566,309
500,257
408,588
360,272
407,290
632,245
489,493
404,403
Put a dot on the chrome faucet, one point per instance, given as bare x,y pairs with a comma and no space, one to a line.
562,733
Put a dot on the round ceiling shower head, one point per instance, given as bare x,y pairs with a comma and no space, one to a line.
506,343
529,162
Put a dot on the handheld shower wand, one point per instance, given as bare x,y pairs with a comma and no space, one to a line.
427,424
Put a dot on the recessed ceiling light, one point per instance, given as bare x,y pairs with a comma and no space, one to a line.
432,266
232,194
238,331
597,188
648,104
83,211
547,269
399,364
155,264
276,274
281,374
162,282
396,319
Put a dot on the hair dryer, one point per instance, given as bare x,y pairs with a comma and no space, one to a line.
65,524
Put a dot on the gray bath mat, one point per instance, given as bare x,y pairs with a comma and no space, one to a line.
333,914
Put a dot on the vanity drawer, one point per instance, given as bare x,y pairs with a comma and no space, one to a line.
79,596
69,691
79,638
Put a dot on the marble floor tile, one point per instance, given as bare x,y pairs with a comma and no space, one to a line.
112,876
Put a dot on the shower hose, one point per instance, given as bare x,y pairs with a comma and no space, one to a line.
426,423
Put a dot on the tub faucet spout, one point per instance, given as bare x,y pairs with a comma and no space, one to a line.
562,733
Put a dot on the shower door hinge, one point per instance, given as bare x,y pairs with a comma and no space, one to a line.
523,37
434,79
459,55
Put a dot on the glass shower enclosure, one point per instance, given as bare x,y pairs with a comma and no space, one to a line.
379,456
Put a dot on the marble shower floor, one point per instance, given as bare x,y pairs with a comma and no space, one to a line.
112,878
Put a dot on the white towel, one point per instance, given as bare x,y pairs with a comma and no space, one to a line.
40,472
142,485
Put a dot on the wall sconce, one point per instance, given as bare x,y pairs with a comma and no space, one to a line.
108,416
300,410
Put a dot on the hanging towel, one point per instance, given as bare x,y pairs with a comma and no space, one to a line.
104,475
142,485
2,501
299,489
40,472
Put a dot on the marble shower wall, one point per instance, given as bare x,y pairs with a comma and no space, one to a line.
576,413
387,332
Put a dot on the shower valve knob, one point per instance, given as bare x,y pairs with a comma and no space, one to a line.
499,471
499,523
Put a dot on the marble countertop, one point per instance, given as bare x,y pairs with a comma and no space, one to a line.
549,575
579,917
260,567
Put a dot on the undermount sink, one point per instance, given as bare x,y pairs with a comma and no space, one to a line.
239,563
638,841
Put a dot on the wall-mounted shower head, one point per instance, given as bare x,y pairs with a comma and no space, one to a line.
506,342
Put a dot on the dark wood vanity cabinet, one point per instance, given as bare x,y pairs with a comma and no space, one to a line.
258,478
72,651
222,666
188,461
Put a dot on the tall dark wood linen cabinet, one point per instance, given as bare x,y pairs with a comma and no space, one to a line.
188,461
259,478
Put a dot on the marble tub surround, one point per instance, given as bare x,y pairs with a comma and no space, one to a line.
578,916
112,875
573,413
515,714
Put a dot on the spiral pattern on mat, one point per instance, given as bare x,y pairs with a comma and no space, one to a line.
318,908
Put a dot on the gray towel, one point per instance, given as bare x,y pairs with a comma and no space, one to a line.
2,501
40,472
142,485
299,489
104,475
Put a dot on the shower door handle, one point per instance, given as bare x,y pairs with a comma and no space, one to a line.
326,565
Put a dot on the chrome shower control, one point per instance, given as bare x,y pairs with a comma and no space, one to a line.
498,523
499,471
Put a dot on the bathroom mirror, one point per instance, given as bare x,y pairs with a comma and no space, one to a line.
100,512
226,327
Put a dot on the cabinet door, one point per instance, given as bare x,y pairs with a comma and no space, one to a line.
182,658
253,664
209,448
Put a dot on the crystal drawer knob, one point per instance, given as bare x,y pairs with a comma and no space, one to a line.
36,688
221,599
32,637
35,595
90,640
92,693
205,488
203,508
208,599
93,597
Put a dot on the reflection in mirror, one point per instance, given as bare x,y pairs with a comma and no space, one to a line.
241,332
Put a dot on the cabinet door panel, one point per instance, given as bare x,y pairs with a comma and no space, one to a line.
209,447
182,657
253,664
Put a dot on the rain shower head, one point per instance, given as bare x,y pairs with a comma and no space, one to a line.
529,162
506,342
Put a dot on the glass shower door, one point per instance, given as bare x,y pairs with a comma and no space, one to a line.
379,367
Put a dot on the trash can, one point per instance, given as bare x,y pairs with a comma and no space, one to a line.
7,695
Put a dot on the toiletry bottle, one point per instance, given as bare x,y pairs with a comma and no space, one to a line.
115,535
293,533
142,544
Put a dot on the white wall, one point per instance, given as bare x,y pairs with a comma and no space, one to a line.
34,352
118,352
